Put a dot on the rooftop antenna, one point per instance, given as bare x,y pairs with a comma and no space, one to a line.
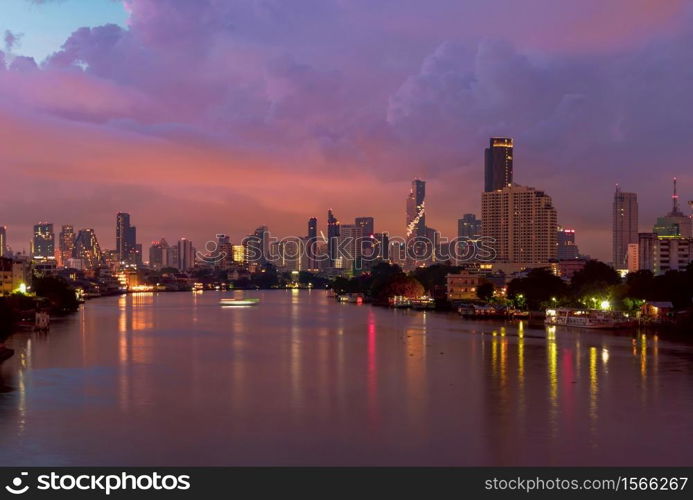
675,199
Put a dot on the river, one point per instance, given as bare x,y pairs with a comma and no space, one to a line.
175,379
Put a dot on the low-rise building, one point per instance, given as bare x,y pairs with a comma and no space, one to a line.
462,286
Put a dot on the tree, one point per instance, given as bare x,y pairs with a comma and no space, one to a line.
60,295
434,277
406,286
485,290
538,289
595,279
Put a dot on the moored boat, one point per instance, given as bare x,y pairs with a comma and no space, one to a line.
589,318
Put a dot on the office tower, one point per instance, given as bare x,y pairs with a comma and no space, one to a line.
367,224
332,235
416,212
675,223
87,249
625,226
498,164
3,241
126,240
522,222
170,255
382,245
66,245
43,243
633,257
565,242
223,254
186,255
238,254
660,254
468,227
156,254
350,244
311,243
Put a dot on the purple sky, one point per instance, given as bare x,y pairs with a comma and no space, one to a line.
221,115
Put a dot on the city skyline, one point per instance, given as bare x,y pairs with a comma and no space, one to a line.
138,251
335,128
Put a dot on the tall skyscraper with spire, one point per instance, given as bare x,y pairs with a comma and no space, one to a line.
498,164
675,223
624,226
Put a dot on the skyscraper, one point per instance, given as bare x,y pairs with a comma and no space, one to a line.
126,239
66,244
565,242
43,243
332,237
311,243
367,224
468,227
87,249
675,223
186,255
3,241
350,245
416,210
498,164
625,226
223,255
521,222
157,254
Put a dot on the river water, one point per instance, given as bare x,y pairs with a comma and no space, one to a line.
175,379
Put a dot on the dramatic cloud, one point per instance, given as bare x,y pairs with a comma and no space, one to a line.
218,116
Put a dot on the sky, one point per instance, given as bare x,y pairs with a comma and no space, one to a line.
217,116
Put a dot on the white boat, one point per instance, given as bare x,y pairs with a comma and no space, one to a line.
239,302
588,318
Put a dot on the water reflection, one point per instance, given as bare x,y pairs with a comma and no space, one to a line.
300,379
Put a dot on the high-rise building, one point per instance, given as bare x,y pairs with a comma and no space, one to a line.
311,243
87,249
43,243
66,245
565,242
625,226
3,241
660,254
238,254
367,224
350,245
675,223
381,245
332,236
416,209
156,254
468,227
186,255
498,164
520,223
126,240
223,255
